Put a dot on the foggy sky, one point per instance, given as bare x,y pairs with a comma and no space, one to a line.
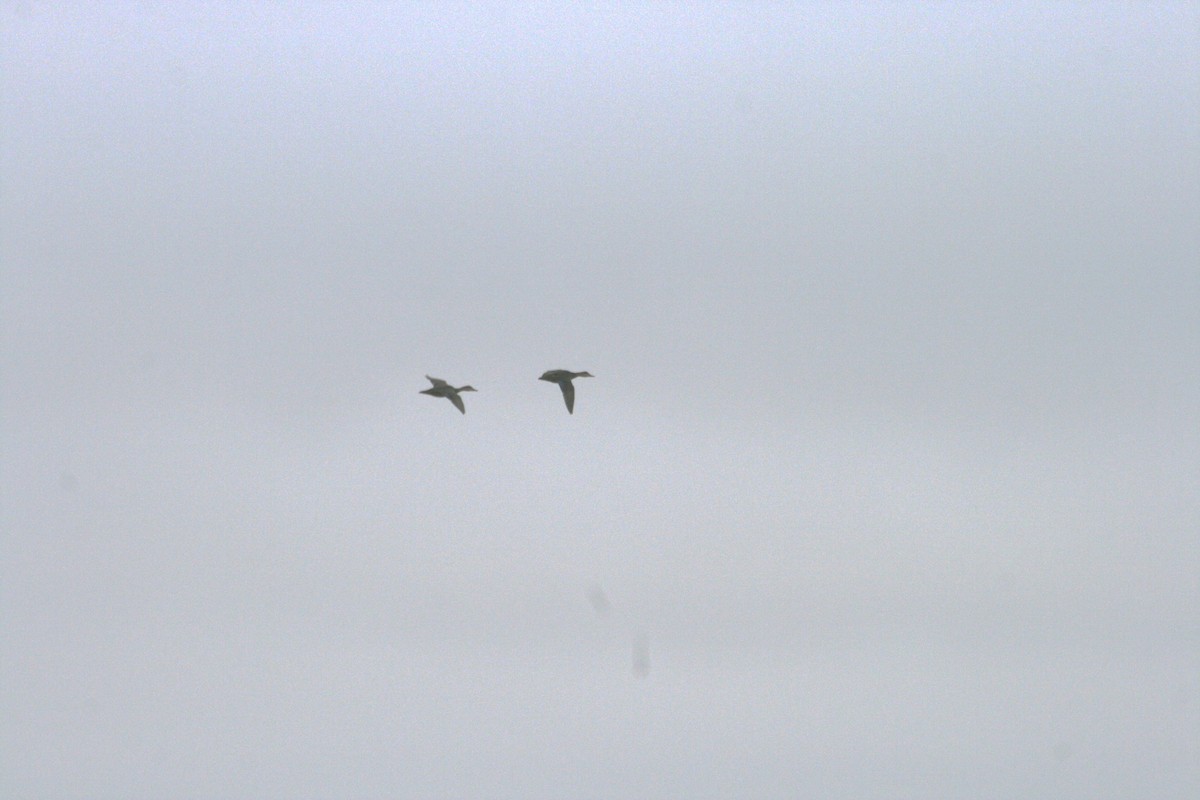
887,485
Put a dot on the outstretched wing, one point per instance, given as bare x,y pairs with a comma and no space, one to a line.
568,390
458,403
437,382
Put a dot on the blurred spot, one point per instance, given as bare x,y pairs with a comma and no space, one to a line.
596,597
641,657
68,482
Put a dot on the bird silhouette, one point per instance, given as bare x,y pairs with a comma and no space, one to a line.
563,378
442,389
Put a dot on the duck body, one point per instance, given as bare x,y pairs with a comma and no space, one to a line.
563,378
442,389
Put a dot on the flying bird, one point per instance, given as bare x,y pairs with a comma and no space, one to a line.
442,389
563,378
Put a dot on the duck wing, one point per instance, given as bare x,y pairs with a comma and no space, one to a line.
568,390
458,403
437,382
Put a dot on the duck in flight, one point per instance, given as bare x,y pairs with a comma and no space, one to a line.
442,389
563,378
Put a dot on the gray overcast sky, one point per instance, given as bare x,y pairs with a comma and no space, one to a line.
887,485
